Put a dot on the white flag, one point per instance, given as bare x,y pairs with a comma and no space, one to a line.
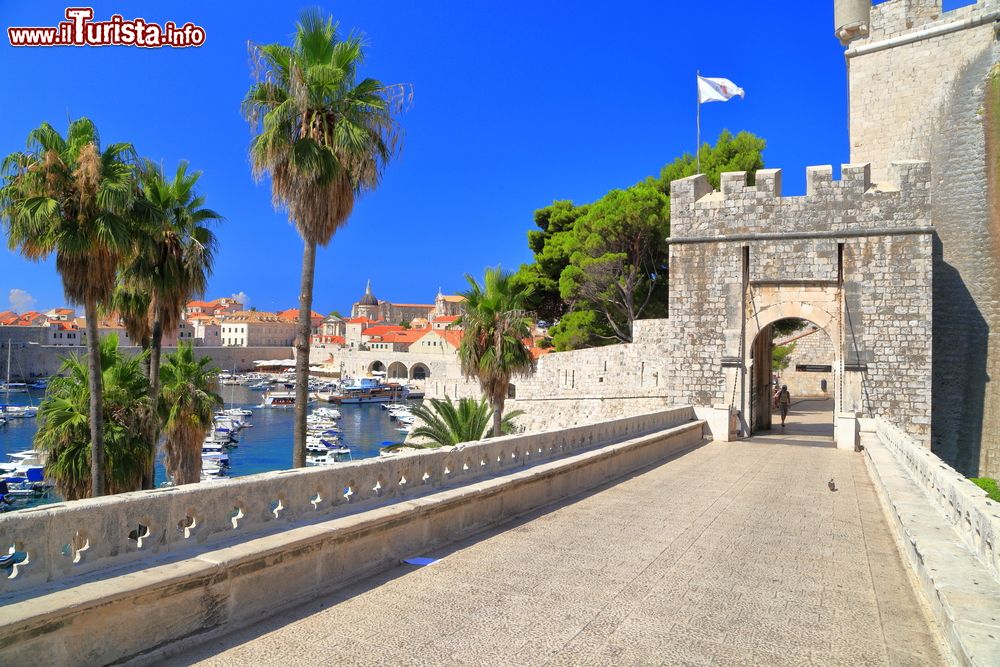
717,90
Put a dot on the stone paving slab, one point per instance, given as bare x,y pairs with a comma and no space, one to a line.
734,553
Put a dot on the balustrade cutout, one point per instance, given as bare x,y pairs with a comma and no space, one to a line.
187,524
349,491
402,480
236,515
316,500
276,507
426,477
139,534
76,546
17,557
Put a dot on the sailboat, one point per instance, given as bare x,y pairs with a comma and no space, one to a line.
14,411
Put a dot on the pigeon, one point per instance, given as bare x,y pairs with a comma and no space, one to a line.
832,484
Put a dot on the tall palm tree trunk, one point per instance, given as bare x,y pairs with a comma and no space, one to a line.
302,354
96,400
497,417
155,348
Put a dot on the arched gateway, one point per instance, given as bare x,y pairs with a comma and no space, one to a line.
852,258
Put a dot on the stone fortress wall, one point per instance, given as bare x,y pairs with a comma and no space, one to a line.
924,85
847,256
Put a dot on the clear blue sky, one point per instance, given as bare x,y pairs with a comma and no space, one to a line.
516,104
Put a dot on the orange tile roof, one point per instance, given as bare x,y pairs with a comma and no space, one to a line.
429,306
447,318
293,314
453,298
539,351
242,316
381,329
453,336
199,304
405,336
361,320
62,311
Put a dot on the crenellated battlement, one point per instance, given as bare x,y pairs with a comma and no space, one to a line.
858,22
851,204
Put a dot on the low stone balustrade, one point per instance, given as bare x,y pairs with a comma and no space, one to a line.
974,516
947,529
57,542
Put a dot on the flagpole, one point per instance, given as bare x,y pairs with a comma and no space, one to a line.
697,151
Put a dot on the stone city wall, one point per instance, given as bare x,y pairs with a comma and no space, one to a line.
924,84
872,245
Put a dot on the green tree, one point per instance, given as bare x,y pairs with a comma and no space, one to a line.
65,196
173,259
187,409
620,260
493,347
323,137
744,152
64,423
552,244
446,424
569,270
779,356
580,328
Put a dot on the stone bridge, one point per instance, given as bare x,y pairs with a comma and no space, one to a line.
633,541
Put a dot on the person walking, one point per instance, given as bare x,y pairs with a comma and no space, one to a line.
784,400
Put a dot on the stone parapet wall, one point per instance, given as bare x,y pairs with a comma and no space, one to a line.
830,207
895,19
968,508
82,538
946,530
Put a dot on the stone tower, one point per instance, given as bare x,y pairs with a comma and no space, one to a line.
925,85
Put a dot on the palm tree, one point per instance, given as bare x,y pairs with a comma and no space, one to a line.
172,261
187,407
324,138
68,197
64,423
446,424
495,327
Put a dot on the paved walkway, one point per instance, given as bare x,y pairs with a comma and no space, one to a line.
734,553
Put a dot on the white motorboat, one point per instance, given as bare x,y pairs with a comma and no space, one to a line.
327,413
235,412
338,455
19,411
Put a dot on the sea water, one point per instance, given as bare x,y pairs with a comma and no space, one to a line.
265,446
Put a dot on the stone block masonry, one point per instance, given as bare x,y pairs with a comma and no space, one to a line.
923,85
850,257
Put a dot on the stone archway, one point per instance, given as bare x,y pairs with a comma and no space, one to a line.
820,354
419,371
766,304
397,370
376,367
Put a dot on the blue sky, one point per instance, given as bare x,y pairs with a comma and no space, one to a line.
516,103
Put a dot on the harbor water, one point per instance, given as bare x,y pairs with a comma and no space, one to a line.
265,446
